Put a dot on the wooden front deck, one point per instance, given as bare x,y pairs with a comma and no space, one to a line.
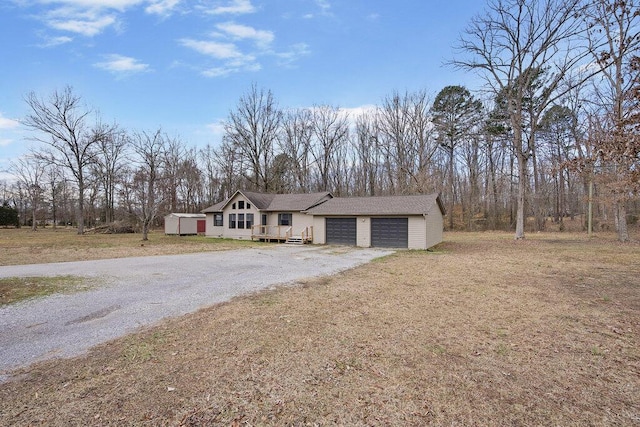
281,233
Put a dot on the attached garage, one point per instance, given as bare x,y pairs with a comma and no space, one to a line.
413,221
390,232
340,231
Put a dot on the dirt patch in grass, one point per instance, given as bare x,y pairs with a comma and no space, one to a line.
482,331
15,289
23,246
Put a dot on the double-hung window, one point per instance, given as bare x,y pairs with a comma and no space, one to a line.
232,220
240,220
218,220
284,219
249,220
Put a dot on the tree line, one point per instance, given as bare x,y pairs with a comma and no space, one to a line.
552,134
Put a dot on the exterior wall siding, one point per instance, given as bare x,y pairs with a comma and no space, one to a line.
417,232
300,221
174,224
188,225
212,231
318,230
434,224
363,231
170,224
233,233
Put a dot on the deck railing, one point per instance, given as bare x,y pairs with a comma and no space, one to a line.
307,234
279,232
270,232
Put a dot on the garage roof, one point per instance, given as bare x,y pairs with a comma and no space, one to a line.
384,205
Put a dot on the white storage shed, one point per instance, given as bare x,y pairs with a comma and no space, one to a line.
185,223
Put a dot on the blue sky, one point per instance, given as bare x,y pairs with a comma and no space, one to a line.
183,64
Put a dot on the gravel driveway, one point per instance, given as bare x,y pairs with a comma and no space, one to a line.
134,292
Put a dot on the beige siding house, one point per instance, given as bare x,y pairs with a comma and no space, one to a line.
259,216
413,222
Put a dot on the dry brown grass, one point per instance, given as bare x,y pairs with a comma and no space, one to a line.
23,246
14,289
483,331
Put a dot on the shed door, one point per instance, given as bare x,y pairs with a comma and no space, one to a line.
202,226
390,232
340,231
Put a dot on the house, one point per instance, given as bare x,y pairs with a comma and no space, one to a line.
184,223
413,222
248,215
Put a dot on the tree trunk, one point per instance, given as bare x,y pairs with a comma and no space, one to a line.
80,216
522,185
621,215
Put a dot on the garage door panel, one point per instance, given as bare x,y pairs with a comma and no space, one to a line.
340,231
390,232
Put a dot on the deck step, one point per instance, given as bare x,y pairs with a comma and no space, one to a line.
295,240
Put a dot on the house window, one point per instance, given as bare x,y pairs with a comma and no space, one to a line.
240,220
241,204
264,219
248,205
233,206
217,220
249,221
232,220
284,219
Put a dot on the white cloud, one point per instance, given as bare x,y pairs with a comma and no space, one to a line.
234,7
6,123
293,54
232,59
85,27
55,41
212,48
162,7
237,31
120,5
119,64
354,112
5,142
216,128
231,69
324,6
91,17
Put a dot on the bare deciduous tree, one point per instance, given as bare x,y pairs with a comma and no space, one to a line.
295,141
108,167
615,38
520,47
253,129
147,177
30,171
62,125
330,132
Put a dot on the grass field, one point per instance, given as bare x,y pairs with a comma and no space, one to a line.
482,331
23,246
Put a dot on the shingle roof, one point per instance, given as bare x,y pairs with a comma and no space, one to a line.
259,200
187,215
296,202
215,208
384,205
275,202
